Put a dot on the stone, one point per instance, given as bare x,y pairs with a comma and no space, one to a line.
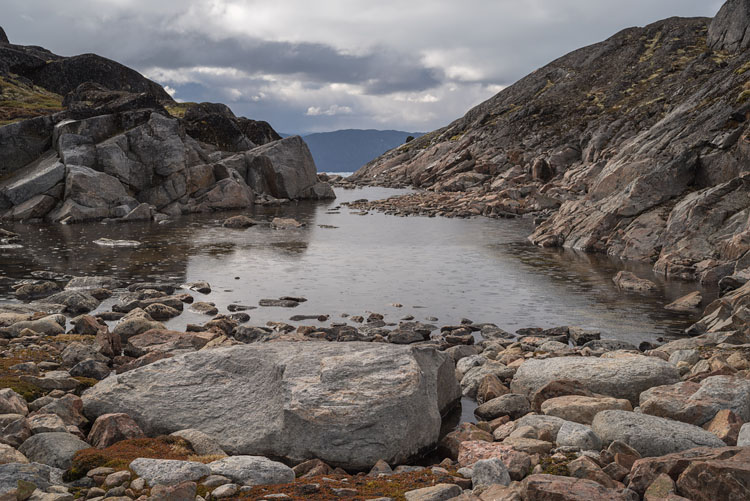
646,471
252,470
518,463
14,429
92,369
651,435
557,388
204,308
474,376
12,403
488,472
28,292
512,405
9,454
439,492
183,491
629,281
135,322
283,392
225,491
726,425
53,449
46,423
490,388
41,475
68,407
529,445
239,222
75,301
660,489
168,471
202,444
78,352
557,488
117,478
582,409
585,467
573,434
690,302
43,178
698,403
623,378
690,357
743,438
280,223
109,429
728,30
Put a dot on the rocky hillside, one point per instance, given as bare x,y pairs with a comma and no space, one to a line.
637,147
86,138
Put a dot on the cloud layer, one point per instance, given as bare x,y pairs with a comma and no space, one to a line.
312,66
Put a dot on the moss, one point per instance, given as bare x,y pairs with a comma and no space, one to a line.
71,338
743,69
547,87
121,454
86,382
20,101
178,110
28,391
651,46
743,97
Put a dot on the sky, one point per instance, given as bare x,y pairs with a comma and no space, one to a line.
319,65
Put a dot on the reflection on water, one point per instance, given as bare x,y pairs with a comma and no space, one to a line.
481,269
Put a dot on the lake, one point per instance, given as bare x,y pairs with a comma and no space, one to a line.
449,269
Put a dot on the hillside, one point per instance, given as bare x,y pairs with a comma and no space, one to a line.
348,150
85,138
636,146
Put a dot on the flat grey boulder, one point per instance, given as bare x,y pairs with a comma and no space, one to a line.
41,178
348,404
623,377
168,471
651,435
252,470
729,30
54,449
488,472
578,435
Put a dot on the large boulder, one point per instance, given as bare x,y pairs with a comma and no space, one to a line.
698,403
284,169
54,449
624,377
38,179
729,29
346,404
651,435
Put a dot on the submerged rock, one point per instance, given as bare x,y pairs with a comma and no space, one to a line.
347,404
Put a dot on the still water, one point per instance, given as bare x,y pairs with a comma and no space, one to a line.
480,269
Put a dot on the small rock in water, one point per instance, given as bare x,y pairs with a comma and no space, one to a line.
280,303
280,223
106,242
239,222
202,287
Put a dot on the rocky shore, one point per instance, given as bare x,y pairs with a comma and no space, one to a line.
112,404
636,147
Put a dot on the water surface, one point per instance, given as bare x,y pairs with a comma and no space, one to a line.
481,269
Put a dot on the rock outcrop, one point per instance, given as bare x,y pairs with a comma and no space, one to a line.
637,147
120,142
729,29
348,404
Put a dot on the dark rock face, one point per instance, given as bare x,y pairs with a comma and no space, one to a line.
3,36
65,74
730,29
637,147
215,124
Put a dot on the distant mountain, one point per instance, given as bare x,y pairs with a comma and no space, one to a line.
348,150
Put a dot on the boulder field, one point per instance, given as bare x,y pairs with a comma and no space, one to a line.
126,408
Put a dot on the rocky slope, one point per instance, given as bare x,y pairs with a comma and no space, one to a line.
117,146
637,147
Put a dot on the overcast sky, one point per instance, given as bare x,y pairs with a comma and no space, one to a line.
316,65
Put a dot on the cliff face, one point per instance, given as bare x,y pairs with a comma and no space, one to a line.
639,144
117,146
